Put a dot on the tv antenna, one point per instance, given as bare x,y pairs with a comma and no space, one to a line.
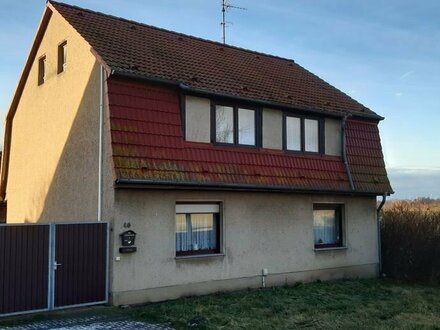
226,6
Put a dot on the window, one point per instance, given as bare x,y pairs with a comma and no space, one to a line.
224,124
328,225
197,229
62,56
41,70
303,134
311,134
246,127
234,125
293,133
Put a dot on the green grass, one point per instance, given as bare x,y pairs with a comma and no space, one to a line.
345,304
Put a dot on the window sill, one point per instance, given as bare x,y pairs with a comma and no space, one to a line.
197,256
330,248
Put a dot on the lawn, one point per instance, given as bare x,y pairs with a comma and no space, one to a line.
344,304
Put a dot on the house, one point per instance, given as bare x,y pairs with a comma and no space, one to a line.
234,168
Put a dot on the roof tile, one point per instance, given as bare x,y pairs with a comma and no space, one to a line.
144,50
157,152
145,120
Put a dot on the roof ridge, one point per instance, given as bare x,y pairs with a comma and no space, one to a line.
172,32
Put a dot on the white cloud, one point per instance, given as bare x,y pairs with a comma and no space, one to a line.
406,75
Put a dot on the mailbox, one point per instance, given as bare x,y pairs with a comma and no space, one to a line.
127,241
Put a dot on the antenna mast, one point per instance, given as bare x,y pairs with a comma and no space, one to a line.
225,7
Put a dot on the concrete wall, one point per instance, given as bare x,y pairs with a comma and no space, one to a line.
54,148
333,137
197,119
260,230
272,129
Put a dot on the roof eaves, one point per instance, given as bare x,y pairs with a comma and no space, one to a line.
145,183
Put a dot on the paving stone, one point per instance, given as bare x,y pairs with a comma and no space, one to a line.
88,323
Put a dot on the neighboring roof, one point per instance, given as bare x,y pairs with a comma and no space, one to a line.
149,149
129,47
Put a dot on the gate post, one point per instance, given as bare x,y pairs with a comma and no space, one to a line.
51,270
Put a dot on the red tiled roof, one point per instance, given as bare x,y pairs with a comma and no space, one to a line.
146,130
364,154
135,48
148,145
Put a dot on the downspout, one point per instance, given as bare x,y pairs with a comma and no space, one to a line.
379,220
100,143
344,152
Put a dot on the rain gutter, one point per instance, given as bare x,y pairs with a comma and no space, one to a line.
100,143
122,183
344,152
379,220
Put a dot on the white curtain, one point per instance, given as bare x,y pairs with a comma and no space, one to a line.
293,133
311,142
246,126
325,227
196,231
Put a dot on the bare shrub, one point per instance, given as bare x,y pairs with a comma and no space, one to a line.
411,241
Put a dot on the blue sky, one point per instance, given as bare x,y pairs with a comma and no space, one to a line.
385,54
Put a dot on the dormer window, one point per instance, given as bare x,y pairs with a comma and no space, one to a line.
303,134
246,127
234,125
41,70
224,124
311,135
293,133
62,56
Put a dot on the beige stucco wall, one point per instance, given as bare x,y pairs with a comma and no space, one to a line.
54,151
272,129
260,230
333,137
197,119
198,126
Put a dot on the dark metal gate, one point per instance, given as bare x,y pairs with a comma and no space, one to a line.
80,255
52,266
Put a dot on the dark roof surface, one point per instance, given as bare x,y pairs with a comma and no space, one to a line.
148,145
135,48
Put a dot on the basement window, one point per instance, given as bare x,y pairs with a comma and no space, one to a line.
328,225
41,70
62,56
197,229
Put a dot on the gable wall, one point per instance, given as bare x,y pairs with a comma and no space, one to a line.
54,148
